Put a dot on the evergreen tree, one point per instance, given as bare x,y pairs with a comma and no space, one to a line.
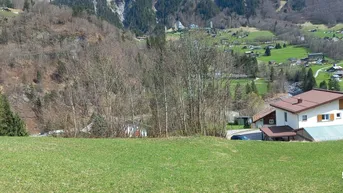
4,35
39,76
236,6
323,85
297,5
284,45
249,65
207,9
268,52
334,85
247,88
10,123
26,5
253,87
140,18
165,9
99,127
238,97
278,46
269,88
271,77
310,81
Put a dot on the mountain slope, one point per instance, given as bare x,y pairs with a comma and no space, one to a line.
141,16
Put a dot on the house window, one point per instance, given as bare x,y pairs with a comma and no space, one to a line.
325,117
338,115
271,122
304,117
285,116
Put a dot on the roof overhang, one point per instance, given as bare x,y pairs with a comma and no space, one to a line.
279,131
260,116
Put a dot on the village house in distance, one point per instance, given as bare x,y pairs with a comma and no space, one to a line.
315,115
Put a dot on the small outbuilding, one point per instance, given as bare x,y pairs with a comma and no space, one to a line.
316,56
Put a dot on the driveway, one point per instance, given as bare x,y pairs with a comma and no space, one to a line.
318,71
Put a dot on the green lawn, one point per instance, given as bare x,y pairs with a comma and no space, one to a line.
203,164
234,127
282,55
261,85
322,30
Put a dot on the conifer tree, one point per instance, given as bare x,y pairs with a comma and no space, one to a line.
323,85
247,88
268,52
26,5
238,103
310,82
10,123
253,87
334,85
271,77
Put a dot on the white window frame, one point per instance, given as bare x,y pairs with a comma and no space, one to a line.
325,117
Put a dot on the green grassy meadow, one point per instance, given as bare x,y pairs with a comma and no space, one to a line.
282,55
322,30
261,85
196,164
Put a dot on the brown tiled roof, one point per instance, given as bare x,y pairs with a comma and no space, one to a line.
262,114
279,131
310,99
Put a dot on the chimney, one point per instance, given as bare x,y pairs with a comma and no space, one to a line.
299,101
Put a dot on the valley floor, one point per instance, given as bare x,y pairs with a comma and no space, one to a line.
196,164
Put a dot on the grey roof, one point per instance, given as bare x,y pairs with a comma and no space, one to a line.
339,72
325,133
316,54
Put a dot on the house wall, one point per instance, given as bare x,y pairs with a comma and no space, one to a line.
268,117
292,119
259,124
312,121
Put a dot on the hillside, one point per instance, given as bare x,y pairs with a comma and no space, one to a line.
47,51
62,72
168,165
142,16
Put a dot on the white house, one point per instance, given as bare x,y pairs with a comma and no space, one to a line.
315,115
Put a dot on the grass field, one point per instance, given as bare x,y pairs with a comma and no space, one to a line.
201,164
282,55
261,85
321,29
223,34
7,14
